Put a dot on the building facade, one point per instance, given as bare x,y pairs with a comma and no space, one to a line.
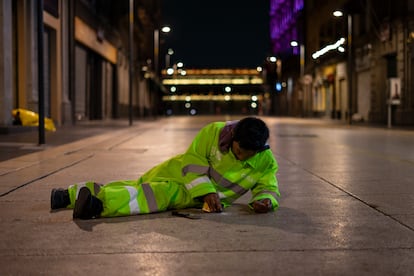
357,67
86,58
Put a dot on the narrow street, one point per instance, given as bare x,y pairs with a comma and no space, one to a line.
346,206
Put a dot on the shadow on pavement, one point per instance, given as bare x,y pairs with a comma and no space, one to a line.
238,214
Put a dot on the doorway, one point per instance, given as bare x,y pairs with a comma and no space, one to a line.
94,86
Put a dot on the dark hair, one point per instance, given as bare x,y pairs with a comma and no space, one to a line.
251,133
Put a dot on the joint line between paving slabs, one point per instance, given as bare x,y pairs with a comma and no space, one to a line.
46,175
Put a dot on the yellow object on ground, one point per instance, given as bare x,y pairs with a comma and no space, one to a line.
206,208
30,118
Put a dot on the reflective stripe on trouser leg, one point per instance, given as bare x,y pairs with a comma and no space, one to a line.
133,200
146,196
149,196
143,198
125,200
74,190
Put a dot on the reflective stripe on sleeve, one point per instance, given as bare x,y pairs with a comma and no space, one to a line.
226,183
195,169
133,200
197,181
215,175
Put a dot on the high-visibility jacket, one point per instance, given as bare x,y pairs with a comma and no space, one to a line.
208,166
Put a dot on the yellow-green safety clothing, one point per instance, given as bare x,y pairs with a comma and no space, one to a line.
182,181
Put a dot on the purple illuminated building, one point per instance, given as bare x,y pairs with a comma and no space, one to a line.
285,25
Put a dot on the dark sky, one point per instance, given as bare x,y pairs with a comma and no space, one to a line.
217,33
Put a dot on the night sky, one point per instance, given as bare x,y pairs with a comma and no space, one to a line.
217,33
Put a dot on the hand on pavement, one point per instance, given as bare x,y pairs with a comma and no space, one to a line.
213,202
262,206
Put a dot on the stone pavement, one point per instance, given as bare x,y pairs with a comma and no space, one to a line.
24,140
347,207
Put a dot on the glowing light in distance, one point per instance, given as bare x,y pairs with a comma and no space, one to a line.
328,48
170,71
166,29
278,87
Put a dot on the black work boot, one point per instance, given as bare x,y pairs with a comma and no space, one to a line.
87,206
59,198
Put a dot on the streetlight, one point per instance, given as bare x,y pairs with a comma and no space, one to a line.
349,62
168,55
165,29
131,60
272,59
302,73
40,67
302,56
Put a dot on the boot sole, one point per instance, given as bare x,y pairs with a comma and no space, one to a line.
55,204
81,202
52,201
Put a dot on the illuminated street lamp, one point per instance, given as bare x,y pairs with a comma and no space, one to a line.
170,71
302,72
302,56
131,59
165,29
168,55
271,71
349,62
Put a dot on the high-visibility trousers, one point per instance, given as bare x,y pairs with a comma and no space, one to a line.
127,197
